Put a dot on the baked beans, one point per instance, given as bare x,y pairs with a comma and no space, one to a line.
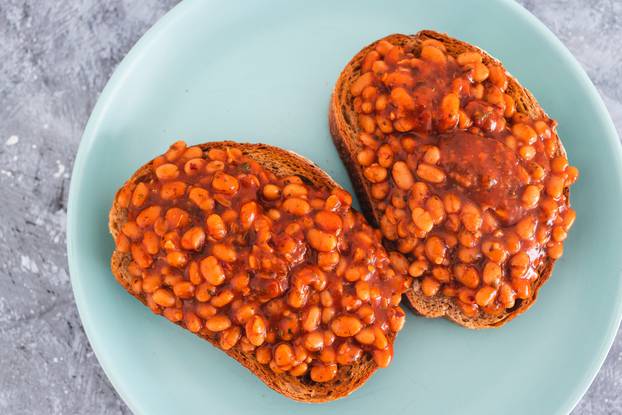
279,269
471,191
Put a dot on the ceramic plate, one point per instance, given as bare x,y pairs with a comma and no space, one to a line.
264,71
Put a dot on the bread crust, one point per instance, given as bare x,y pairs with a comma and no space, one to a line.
282,163
344,130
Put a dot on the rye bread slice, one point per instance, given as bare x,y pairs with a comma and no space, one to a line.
345,129
281,163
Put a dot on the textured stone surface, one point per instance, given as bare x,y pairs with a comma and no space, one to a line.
55,57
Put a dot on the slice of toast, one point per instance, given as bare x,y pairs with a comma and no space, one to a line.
281,163
344,127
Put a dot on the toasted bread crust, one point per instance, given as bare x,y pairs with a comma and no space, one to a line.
344,130
282,163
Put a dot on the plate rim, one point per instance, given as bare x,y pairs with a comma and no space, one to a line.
133,57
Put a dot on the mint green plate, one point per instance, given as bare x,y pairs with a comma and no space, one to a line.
263,71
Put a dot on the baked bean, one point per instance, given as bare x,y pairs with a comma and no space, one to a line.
492,274
402,175
132,231
522,288
271,192
480,72
568,218
380,190
430,286
531,196
296,206
248,213
494,251
321,241
361,82
148,216
328,221
559,164
229,337
222,299
218,323
367,123
177,259
402,98
555,251
256,330
283,354
167,171
346,326
468,277
432,155
452,203
510,106
311,318
176,218
124,197
201,198
216,227
375,173
322,373
225,183
477,91
299,370
184,289
497,77
348,353
314,341
172,190
471,218
526,227
382,357
163,297
422,219
214,166
263,354
519,264
193,239
433,54
224,252
527,152
151,282
548,206
366,157
572,174
175,151
524,133
192,322
194,166
485,296
430,173
212,271
441,274
140,256
140,194
173,314
555,186
122,243
417,268
506,295
469,57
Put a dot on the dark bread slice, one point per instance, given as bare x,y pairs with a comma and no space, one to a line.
281,163
344,129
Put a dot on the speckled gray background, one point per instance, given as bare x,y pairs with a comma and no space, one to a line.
55,58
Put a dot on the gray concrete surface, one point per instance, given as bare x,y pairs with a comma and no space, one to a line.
55,58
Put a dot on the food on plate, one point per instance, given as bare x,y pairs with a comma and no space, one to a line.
258,251
460,168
